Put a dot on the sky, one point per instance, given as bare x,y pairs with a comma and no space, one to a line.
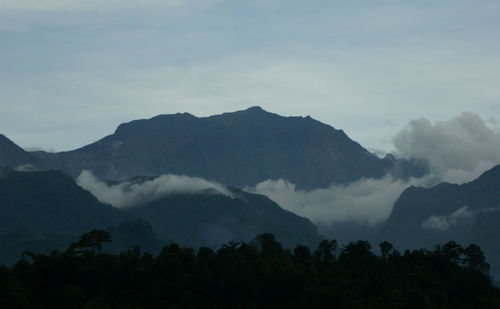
72,70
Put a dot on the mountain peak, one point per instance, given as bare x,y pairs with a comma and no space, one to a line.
255,109
240,148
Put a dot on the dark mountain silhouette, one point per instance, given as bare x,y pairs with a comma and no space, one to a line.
468,213
43,211
46,210
13,155
211,219
239,149
52,202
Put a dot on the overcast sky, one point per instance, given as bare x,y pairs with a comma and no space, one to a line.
72,70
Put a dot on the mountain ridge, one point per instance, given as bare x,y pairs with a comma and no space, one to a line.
12,155
239,149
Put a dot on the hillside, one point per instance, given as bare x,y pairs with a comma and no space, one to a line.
43,211
467,213
12,155
211,219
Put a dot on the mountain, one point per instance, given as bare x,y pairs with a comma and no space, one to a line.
239,149
13,155
51,202
43,211
210,219
468,213
46,210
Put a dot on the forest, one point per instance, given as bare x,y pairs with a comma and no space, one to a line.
257,274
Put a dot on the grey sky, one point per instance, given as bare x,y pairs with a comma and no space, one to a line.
71,70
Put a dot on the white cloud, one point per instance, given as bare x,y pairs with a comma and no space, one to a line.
458,150
128,194
367,200
443,223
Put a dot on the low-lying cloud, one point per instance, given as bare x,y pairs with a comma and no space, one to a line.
458,150
443,223
367,200
128,194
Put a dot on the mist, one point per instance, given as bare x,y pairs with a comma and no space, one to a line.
443,223
367,200
129,194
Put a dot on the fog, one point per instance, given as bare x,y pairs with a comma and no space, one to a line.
128,194
366,200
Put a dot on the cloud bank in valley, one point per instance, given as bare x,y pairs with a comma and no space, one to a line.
128,194
367,200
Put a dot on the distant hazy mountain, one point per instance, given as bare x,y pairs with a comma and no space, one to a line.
13,155
239,149
466,213
211,219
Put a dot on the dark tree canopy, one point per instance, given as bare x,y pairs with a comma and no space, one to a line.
259,274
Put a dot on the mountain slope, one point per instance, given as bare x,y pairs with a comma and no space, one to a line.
238,149
13,155
51,202
211,219
445,209
44,211
466,213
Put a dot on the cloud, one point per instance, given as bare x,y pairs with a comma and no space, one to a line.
457,150
443,223
128,194
366,201
76,5
26,168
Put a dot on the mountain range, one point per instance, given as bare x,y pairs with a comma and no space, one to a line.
44,210
237,149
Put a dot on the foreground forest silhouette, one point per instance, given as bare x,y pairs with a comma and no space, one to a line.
258,274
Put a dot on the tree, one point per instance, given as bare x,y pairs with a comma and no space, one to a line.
452,251
474,259
386,249
326,251
356,252
91,241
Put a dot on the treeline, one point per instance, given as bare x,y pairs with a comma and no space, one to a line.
258,274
